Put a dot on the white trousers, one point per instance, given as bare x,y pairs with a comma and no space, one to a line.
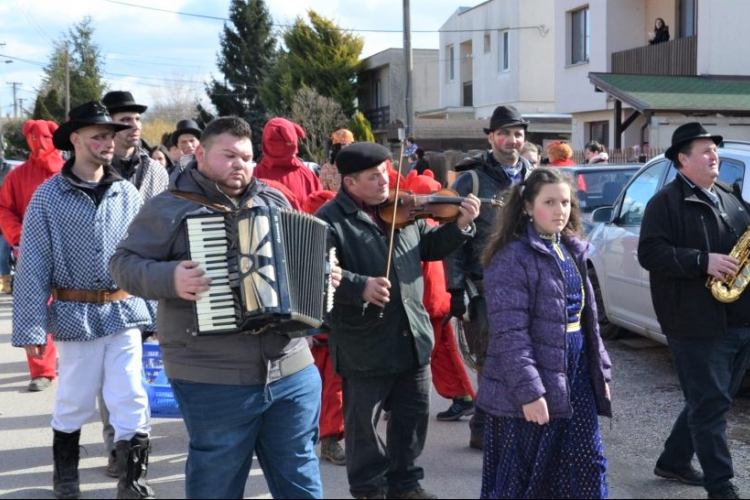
111,364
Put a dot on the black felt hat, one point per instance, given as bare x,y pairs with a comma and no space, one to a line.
86,115
118,101
688,133
186,127
361,156
504,117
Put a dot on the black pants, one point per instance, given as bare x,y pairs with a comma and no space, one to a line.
710,373
374,466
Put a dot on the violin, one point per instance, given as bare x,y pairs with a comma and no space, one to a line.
442,206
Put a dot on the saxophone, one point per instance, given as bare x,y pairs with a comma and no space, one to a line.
731,290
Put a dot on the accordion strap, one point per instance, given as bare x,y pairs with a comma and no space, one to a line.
202,200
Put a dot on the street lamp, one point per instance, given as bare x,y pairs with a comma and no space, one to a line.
2,129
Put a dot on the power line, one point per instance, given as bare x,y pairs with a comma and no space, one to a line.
33,22
542,28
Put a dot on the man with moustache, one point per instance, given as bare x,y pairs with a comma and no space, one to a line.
71,229
384,361
132,161
488,175
689,229
240,394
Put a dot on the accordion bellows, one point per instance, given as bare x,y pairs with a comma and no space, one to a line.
270,269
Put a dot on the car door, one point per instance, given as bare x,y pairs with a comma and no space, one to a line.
628,295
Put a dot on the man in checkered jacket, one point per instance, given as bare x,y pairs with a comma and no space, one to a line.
71,229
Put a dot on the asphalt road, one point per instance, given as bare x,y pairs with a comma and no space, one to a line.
646,401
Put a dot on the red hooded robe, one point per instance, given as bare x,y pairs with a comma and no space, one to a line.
448,370
20,185
280,162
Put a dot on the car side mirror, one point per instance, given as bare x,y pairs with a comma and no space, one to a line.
603,214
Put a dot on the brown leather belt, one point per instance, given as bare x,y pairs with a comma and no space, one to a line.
89,296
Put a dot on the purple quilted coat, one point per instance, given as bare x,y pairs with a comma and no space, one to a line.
526,359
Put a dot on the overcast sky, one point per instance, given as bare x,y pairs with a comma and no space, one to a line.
144,47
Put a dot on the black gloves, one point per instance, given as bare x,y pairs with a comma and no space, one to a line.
458,305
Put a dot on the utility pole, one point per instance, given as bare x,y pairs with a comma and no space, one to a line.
15,98
67,80
409,70
20,105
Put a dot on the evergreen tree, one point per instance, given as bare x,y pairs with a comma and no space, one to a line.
86,65
361,128
319,56
248,52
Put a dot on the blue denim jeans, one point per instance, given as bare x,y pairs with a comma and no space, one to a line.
228,423
4,256
710,373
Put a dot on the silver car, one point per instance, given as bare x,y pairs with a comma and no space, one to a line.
622,286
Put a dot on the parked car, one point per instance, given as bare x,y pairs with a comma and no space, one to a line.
599,186
622,286
14,163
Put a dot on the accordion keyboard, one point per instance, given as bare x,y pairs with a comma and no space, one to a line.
207,237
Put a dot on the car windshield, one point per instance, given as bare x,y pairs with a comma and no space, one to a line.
600,188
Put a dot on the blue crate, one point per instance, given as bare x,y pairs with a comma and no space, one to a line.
160,396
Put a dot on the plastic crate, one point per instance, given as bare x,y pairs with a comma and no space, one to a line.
161,399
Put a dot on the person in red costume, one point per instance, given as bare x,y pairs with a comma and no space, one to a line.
291,198
448,370
44,162
332,409
280,162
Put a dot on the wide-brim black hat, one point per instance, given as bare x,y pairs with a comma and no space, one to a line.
119,101
504,117
86,115
186,127
361,156
688,133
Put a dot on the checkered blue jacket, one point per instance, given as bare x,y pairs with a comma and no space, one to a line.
67,242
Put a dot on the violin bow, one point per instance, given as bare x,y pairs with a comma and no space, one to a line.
393,222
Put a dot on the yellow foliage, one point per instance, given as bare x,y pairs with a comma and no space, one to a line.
154,129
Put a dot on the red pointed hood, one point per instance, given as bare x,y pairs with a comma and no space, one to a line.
43,153
281,144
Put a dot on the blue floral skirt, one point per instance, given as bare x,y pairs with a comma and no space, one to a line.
563,459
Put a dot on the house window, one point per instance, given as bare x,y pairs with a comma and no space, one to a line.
487,43
504,51
451,63
376,90
580,36
599,131
688,17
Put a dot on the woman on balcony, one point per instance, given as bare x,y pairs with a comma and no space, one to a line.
660,33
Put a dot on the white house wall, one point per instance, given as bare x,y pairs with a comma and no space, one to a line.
425,73
528,83
721,25
575,93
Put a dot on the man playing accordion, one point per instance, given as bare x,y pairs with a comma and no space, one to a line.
240,393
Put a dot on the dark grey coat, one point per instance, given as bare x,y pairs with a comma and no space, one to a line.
466,262
362,344
144,265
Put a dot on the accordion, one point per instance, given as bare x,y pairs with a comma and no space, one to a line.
270,269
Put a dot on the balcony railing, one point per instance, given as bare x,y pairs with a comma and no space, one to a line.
379,118
674,58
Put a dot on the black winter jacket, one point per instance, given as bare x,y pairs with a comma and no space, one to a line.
680,228
466,262
362,344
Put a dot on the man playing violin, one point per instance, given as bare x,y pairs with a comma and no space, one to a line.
381,336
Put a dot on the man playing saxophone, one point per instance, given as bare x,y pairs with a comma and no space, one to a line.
689,230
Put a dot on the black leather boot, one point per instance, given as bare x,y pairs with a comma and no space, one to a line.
66,454
132,461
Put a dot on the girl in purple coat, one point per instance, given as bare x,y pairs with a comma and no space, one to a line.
547,374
